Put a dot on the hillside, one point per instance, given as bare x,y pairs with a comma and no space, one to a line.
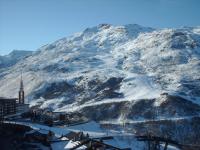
113,68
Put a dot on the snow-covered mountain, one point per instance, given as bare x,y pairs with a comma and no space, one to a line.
13,57
112,69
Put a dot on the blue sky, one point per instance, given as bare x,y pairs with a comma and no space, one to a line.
29,24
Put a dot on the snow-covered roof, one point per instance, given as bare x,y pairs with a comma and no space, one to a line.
66,145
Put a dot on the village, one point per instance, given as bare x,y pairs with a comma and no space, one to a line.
24,127
27,127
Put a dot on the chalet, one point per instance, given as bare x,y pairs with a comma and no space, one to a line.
76,136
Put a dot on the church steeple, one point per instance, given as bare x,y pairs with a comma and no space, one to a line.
21,91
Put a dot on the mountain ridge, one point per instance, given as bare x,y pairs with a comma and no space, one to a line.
13,57
108,64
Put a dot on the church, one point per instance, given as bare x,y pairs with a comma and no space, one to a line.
20,104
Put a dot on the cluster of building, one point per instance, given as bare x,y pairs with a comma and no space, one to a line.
50,118
13,106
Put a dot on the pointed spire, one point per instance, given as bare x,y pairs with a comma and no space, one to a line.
21,83
21,91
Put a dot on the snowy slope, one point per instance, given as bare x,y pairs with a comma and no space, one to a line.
109,65
13,57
